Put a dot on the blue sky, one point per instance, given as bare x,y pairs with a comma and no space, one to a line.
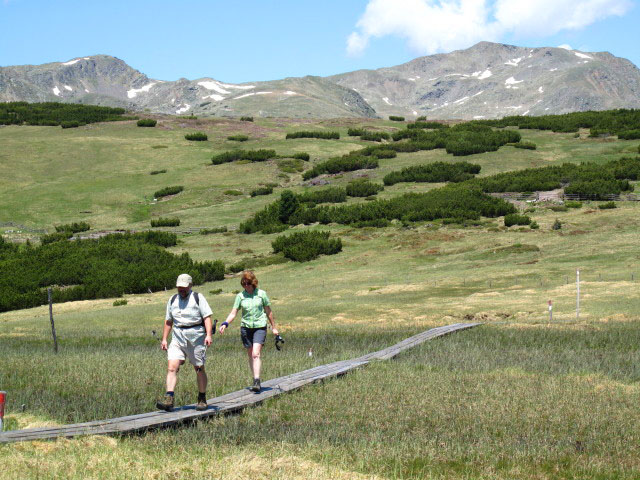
267,39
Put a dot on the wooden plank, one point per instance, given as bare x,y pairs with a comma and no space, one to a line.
229,402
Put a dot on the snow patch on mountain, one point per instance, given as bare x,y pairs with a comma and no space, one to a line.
135,91
56,91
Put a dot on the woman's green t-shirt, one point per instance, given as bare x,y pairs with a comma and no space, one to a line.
252,304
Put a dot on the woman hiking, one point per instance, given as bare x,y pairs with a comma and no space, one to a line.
256,310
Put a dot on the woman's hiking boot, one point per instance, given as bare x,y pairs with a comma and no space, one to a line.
256,385
166,403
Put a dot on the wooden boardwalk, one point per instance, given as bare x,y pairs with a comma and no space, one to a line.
231,402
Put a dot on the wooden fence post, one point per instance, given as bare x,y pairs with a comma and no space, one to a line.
53,326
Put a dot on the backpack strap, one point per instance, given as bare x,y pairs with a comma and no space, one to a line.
197,297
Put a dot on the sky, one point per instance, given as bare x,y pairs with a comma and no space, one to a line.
254,40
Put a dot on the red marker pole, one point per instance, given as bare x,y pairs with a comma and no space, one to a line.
3,397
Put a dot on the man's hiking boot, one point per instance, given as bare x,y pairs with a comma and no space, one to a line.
166,403
256,385
201,405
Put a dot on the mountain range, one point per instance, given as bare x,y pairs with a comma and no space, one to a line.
488,80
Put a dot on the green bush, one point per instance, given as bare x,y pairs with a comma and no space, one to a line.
157,172
346,163
375,136
396,118
434,172
356,132
216,291
55,237
421,118
70,124
534,225
101,268
165,222
164,192
251,155
238,138
572,204
516,219
119,303
607,205
427,125
147,122
233,193
208,231
74,227
557,225
301,156
262,191
196,137
246,119
558,208
306,246
363,188
629,135
314,134
385,153
55,113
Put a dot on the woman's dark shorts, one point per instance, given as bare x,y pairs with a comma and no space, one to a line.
253,335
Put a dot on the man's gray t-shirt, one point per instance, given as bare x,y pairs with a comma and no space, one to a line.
185,312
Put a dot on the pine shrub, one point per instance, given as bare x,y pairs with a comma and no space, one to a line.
306,246
396,118
607,205
362,188
246,119
516,219
251,155
209,231
262,191
74,227
302,156
157,172
70,124
164,192
147,122
314,134
165,222
119,303
238,138
196,137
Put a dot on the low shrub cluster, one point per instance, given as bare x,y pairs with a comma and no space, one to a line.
301,156
356,132
157,172
246,119
74,227
462,139
238,138
434,172
396,118
88,269
572,204
196,137
54,113
164,192
346,163
459,201
233,193
165,222
251,155
55,237
629,135
612,122
516,219
262,191
120,303
306,246
147,122
209,231
362,187
314,134
607,205
375,136
589,180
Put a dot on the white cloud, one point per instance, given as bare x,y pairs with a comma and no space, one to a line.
431,26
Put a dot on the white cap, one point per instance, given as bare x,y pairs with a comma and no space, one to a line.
184,280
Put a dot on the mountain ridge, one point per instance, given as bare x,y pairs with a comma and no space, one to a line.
487,80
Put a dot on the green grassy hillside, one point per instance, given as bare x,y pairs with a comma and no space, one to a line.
519,397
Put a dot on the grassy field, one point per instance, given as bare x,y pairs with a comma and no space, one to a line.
519,397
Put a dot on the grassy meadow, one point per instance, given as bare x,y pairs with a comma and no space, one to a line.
517,398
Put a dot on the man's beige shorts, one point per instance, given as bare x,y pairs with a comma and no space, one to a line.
196,351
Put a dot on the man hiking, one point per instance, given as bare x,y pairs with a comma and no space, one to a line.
190,316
